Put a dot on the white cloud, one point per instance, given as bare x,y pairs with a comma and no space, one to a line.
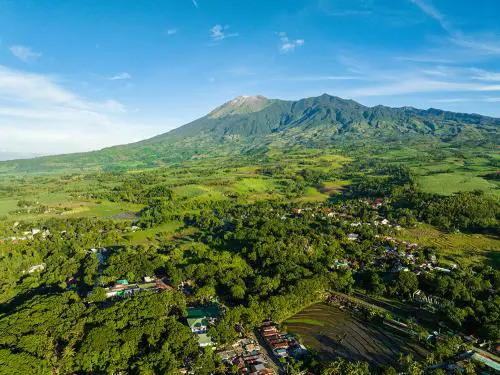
418,85
38,114
219,32
322,78
288,45
485,75
485,44
431,11
486,99
427,59
25,54
489,47
26,87
195,3
39,90
451,100
120,76
171,32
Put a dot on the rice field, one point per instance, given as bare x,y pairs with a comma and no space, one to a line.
461,248
333,333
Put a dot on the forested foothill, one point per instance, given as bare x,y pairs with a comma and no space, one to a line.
262,238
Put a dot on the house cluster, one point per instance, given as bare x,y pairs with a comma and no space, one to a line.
282,344
403,255
247,356
28,235
430,300
122,288
488,362
200,319
345,215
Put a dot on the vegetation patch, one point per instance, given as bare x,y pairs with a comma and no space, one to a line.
449,183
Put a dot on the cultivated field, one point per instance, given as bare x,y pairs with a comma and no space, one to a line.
333,332
461,248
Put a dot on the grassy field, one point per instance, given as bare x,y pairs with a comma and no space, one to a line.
460,248
148,235
455,170
333,333
449,183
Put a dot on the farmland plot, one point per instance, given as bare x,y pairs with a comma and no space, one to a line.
337,333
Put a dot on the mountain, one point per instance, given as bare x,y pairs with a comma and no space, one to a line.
255,124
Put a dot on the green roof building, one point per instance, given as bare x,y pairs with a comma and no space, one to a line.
198,320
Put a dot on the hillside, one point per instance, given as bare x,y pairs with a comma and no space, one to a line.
255,124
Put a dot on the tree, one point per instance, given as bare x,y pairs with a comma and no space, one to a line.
205,293
97,295
341,366
405,284
237,292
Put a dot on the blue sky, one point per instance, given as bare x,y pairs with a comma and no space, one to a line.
77,76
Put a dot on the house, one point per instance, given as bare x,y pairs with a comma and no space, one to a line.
340,264
37,267
204,340
200,319
487,359
198,325
444,270
118,289
161,285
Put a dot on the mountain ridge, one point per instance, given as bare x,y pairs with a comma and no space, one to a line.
255,124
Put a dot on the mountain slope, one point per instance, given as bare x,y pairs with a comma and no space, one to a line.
255,124
338,115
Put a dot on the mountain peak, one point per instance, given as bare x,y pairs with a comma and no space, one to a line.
240,105
248,98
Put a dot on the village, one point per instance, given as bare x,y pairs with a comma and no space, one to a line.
246,354
267,350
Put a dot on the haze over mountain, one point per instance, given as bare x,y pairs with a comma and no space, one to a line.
255,124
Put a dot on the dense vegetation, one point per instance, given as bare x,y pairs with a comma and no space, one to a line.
262,260
263,235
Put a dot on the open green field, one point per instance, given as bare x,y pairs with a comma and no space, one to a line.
149,235
460,248
334,333
449,183
445,170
